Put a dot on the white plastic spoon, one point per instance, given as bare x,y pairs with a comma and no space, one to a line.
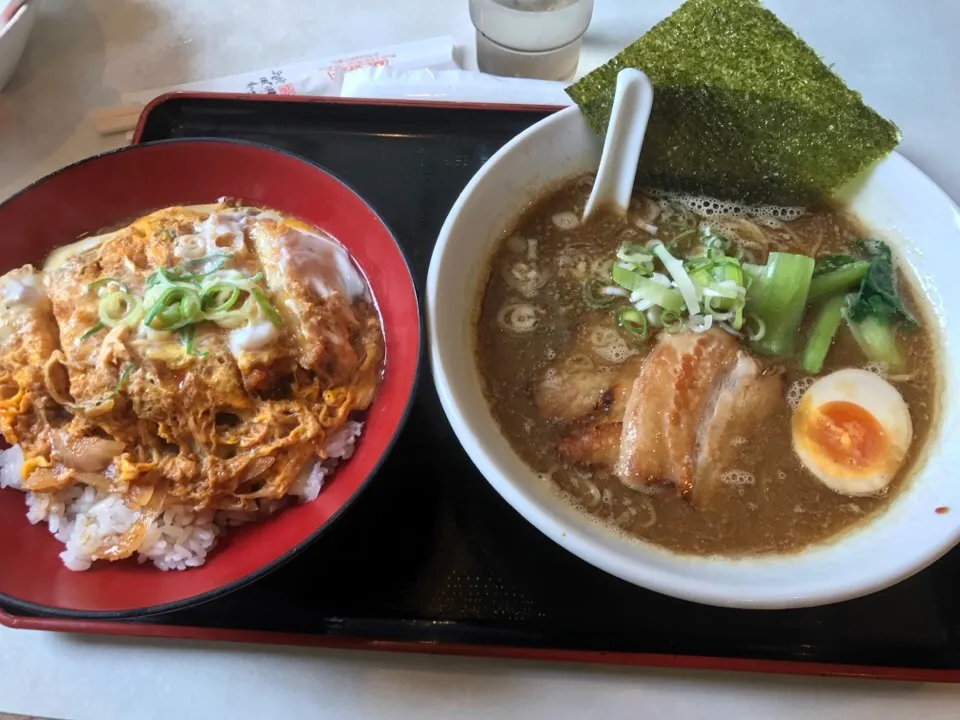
621,148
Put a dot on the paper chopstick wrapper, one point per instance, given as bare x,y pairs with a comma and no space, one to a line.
445,85
323,76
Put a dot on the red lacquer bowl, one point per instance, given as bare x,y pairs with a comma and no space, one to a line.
118,186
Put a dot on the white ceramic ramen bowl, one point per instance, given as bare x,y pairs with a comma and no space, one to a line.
896,201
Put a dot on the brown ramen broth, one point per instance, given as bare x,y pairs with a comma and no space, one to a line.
537,337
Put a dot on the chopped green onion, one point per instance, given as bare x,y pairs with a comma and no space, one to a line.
822,333
271,312
186,335
219,297
646,289
633,321
721,276
838,280
716,245
222,257
119,308
636,254
672,321
760,325
105,281
123,378
683,282
92,331
182,273
591,291
177,306
777,295
712,306
190,305
193,277
700,323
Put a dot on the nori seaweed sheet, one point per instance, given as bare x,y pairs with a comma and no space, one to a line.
743,109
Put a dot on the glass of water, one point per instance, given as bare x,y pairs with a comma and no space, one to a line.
530,38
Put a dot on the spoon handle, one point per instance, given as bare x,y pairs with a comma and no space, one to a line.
621,147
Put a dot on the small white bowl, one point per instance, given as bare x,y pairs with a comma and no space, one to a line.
13,39
896,201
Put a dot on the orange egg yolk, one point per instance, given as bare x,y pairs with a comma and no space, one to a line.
847,434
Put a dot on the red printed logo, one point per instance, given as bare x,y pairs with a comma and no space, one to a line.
358,62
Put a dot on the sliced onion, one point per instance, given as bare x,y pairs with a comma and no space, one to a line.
44,479
88,454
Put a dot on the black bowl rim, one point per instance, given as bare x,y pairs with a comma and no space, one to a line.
35,609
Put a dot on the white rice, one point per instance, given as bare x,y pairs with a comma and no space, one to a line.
83,518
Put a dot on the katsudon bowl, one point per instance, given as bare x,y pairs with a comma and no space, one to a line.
904,530
63,563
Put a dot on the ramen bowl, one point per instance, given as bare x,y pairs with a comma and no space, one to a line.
895,200
111,190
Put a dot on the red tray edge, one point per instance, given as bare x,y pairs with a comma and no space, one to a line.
686,662
679,662
160,99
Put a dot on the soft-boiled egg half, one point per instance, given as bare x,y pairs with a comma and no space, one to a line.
852,430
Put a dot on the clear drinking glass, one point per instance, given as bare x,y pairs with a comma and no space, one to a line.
530,38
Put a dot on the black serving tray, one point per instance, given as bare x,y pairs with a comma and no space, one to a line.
430,557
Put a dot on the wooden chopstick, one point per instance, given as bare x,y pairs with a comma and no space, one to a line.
116,119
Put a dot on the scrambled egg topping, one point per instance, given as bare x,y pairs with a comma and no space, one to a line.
199,356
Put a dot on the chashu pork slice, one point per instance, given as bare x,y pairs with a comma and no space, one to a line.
663,412
743,402
677,420
576,387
